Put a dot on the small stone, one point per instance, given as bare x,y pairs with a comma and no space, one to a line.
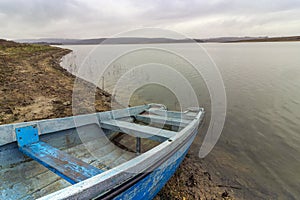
67,103
225,194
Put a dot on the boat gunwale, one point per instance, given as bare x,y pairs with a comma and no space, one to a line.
46,126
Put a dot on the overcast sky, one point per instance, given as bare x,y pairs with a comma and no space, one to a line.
194,18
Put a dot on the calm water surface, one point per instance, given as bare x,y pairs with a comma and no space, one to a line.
259,149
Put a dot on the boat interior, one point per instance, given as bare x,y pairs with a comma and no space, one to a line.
38,164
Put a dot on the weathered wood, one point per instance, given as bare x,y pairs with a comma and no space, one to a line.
32,180
101,183
7,132
68,167
163,120
173,114
138,145
123,158
55,185
110,158
137,130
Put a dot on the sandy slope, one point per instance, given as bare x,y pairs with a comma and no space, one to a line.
34,86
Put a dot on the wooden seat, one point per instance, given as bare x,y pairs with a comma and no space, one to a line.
68,167
137,130
173,114
163,120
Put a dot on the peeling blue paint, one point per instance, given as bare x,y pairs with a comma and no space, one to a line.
27,135
70,168
148,187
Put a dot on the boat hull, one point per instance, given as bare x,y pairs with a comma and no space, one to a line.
124,174
150,185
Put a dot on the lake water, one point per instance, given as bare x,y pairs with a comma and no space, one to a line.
259,149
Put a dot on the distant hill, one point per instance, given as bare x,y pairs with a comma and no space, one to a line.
121,40
141,40
271,39
231,39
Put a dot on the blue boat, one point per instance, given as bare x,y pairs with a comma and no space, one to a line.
120,154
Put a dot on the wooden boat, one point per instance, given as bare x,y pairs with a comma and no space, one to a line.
121,154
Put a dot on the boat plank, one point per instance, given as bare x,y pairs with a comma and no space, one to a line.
26,186
110,157
163,120
33,168
123,158
172,114
70,168
53,186
37,181
137,130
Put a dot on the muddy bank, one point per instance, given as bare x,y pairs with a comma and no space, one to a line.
34,86
193,181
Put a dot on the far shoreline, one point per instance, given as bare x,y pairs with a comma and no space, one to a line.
140,40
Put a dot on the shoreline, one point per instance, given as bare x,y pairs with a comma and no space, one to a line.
35,86
145,40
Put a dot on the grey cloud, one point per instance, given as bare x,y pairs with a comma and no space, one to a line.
93,18
41,11
193,8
